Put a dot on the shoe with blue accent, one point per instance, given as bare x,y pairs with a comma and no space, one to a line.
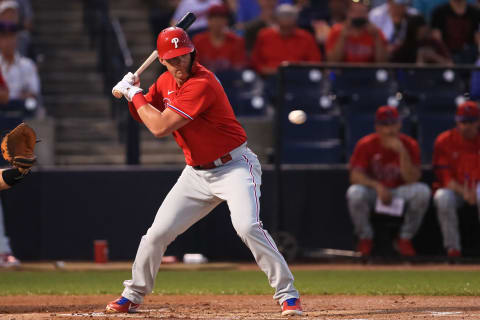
121,305
292,307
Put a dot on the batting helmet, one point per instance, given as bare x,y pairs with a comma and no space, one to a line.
173,42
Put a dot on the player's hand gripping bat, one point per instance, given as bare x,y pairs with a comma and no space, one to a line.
185,22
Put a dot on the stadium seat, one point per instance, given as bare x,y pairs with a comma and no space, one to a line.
315,141
304,89
431,91
362,90
245,92
312,152
429,127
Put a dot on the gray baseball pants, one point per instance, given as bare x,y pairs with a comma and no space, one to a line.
4,241
447,202
361,202
194,195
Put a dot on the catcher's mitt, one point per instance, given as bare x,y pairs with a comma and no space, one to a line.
18,147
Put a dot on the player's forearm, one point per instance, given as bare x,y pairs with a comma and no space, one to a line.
338,52
410,172
381,51
153,120
358,177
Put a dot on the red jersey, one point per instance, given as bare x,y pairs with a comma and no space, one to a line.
358,49
3,84
213,130
271,48
380,163
231,54
456,158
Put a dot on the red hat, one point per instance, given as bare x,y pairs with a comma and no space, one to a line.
173,42
467,112
386,115
218,10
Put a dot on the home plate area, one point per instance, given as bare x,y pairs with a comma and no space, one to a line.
243,307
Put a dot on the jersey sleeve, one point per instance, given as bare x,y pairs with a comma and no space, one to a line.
194,99
313,52
332,38
442,165
414,152
360,157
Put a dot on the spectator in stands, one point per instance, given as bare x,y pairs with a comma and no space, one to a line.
456,23
218,48
250,10
392,18
456,162
19,12
283,42
419,46
385,168
199,8
356,40
20,72
161,14
265,19
321,24
426,7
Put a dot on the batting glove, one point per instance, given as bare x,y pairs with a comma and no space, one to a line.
127,89
132,79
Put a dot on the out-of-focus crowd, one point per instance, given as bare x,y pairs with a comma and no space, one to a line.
263,33
19,80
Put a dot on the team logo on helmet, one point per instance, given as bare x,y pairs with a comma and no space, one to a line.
175,41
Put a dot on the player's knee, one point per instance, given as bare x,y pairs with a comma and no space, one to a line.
444,198
356,193
159,237
244,229
422,192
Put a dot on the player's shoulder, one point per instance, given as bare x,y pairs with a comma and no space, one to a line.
368,140
445,136
408,139
26,62
267,32
200,37
202,78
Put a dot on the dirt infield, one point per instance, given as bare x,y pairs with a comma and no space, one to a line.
243,307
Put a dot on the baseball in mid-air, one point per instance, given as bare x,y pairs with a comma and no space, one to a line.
297,116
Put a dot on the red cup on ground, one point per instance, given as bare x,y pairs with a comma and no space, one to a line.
100,251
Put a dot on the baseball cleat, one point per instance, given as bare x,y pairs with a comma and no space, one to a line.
121,305
292,307
365,246
405,247
7,261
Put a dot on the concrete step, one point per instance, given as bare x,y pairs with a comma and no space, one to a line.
86,129
162,158
44,28
72,77
51,65
164,145
86,111
90,160
91,148
72,88
63,42
77,100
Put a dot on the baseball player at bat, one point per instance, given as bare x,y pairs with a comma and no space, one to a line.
189,103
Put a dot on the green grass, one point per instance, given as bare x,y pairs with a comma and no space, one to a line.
357,282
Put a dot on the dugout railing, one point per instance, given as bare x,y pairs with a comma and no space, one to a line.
114,60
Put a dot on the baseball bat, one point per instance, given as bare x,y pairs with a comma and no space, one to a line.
185,22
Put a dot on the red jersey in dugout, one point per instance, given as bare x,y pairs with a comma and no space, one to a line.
213,130
456,158
380,163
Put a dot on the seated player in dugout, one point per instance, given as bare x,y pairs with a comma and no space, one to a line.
285,41
189,102
456,162
356,40
385,165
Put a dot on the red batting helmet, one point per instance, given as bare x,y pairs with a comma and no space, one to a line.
173,42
